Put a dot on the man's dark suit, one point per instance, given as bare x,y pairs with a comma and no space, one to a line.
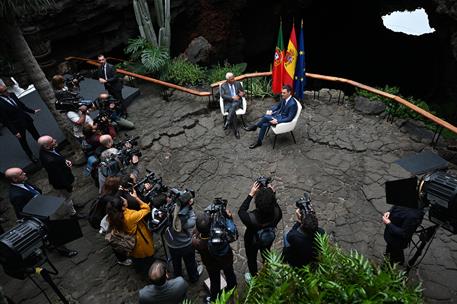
19,197
282,112
114,84
230,104
59,174
16,119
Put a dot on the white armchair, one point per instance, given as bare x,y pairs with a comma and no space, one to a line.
287,126
240,112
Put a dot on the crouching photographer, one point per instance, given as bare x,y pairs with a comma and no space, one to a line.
215,231
178,234
260,223
300,247
114,110
117,159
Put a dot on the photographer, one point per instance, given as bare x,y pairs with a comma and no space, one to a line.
213,263
299,243
178,235
401,223
78,120
113,109
260,223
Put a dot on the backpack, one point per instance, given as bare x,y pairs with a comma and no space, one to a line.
121,242
265,236
96,213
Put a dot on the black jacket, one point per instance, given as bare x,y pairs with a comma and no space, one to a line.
113,81
252,226
20,197
15,118
404,222
59,174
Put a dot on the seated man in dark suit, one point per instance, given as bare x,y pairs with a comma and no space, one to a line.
13,114
20,194
232,93
284,111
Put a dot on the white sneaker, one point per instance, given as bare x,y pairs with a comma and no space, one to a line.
126,262
200,269
248,277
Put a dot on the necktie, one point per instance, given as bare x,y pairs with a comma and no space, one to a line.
31,189
104,70
232,89
10,101
56,153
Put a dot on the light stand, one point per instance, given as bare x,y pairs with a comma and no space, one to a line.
426,235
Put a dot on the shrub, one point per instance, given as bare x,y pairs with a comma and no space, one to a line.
142,51
339,277
259,87
183,72
217,73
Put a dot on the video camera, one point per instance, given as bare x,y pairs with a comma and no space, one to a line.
127,149
72,103
304,204
263,181
72,82
223,230
162,216
150,186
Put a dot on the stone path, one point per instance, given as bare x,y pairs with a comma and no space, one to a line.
341,157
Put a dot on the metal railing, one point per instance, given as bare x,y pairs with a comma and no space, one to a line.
438,121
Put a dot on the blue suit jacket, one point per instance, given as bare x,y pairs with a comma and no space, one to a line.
285,113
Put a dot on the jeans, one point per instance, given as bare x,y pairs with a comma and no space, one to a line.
188,255
123,123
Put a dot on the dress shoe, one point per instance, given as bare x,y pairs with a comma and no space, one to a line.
250,128
78,216
237,134
253,146
64,251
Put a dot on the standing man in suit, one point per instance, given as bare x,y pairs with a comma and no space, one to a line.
13,114
21,193
284,111
107,76
59,170
232,93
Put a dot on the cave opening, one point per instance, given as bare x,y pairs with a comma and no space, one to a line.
408,22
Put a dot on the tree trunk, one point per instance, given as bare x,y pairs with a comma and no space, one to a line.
23,54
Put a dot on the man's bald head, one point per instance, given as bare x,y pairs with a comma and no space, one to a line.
158,273
103,95
2,89
47,142
15,175
106,141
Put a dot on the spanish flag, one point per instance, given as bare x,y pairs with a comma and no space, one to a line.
290,59
278,64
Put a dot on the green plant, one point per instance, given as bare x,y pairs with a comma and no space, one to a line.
222,298
152,58
339,277
217,73
259,87
183,72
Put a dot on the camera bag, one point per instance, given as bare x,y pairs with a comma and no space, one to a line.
120,241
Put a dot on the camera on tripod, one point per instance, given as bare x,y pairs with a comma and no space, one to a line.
304,204
72,82
263,181
150,186
127,149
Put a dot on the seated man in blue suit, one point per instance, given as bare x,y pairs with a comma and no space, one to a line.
284,111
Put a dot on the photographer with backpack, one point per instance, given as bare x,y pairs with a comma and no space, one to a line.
260,223
214,260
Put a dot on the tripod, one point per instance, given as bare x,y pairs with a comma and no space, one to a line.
426,235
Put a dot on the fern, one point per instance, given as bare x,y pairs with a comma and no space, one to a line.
154,59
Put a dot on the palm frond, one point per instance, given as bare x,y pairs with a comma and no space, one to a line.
154,59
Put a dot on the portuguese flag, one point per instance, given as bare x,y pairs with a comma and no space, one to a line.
290,59
278,67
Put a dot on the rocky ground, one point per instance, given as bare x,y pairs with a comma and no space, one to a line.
341,157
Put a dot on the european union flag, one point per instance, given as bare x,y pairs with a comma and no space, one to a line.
300,78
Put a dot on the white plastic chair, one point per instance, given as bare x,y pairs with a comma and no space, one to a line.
285,127
241,111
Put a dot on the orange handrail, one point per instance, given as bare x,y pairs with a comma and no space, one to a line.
398,99
149,79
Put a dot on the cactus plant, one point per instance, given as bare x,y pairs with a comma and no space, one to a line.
144,21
